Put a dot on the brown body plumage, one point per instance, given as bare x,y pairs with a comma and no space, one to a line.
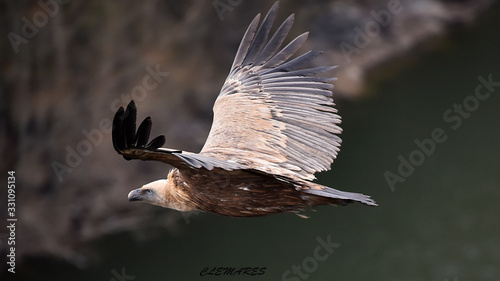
274,127
244,193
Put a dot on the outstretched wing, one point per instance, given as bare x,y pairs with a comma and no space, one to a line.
272,115
134,145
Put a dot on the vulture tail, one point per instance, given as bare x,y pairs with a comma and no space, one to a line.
345,197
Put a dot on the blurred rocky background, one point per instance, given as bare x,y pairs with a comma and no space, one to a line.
68,65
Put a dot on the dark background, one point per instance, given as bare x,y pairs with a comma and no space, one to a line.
60,86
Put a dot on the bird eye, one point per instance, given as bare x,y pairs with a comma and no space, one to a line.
149,191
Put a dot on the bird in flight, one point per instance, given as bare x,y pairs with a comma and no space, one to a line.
274,126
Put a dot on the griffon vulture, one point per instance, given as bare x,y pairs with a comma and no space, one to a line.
274,126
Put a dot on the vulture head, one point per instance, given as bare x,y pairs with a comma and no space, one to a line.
160,193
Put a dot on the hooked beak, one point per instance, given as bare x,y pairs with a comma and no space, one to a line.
135,195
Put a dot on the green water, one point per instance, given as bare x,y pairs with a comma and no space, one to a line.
441,223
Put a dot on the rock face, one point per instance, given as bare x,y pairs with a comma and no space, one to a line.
69,65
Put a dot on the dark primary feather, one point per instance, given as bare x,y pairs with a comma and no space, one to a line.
143,132
275,41
134,145
286,52
261,35
247,38
124,135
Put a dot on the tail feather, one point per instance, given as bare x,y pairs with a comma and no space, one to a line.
324,191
